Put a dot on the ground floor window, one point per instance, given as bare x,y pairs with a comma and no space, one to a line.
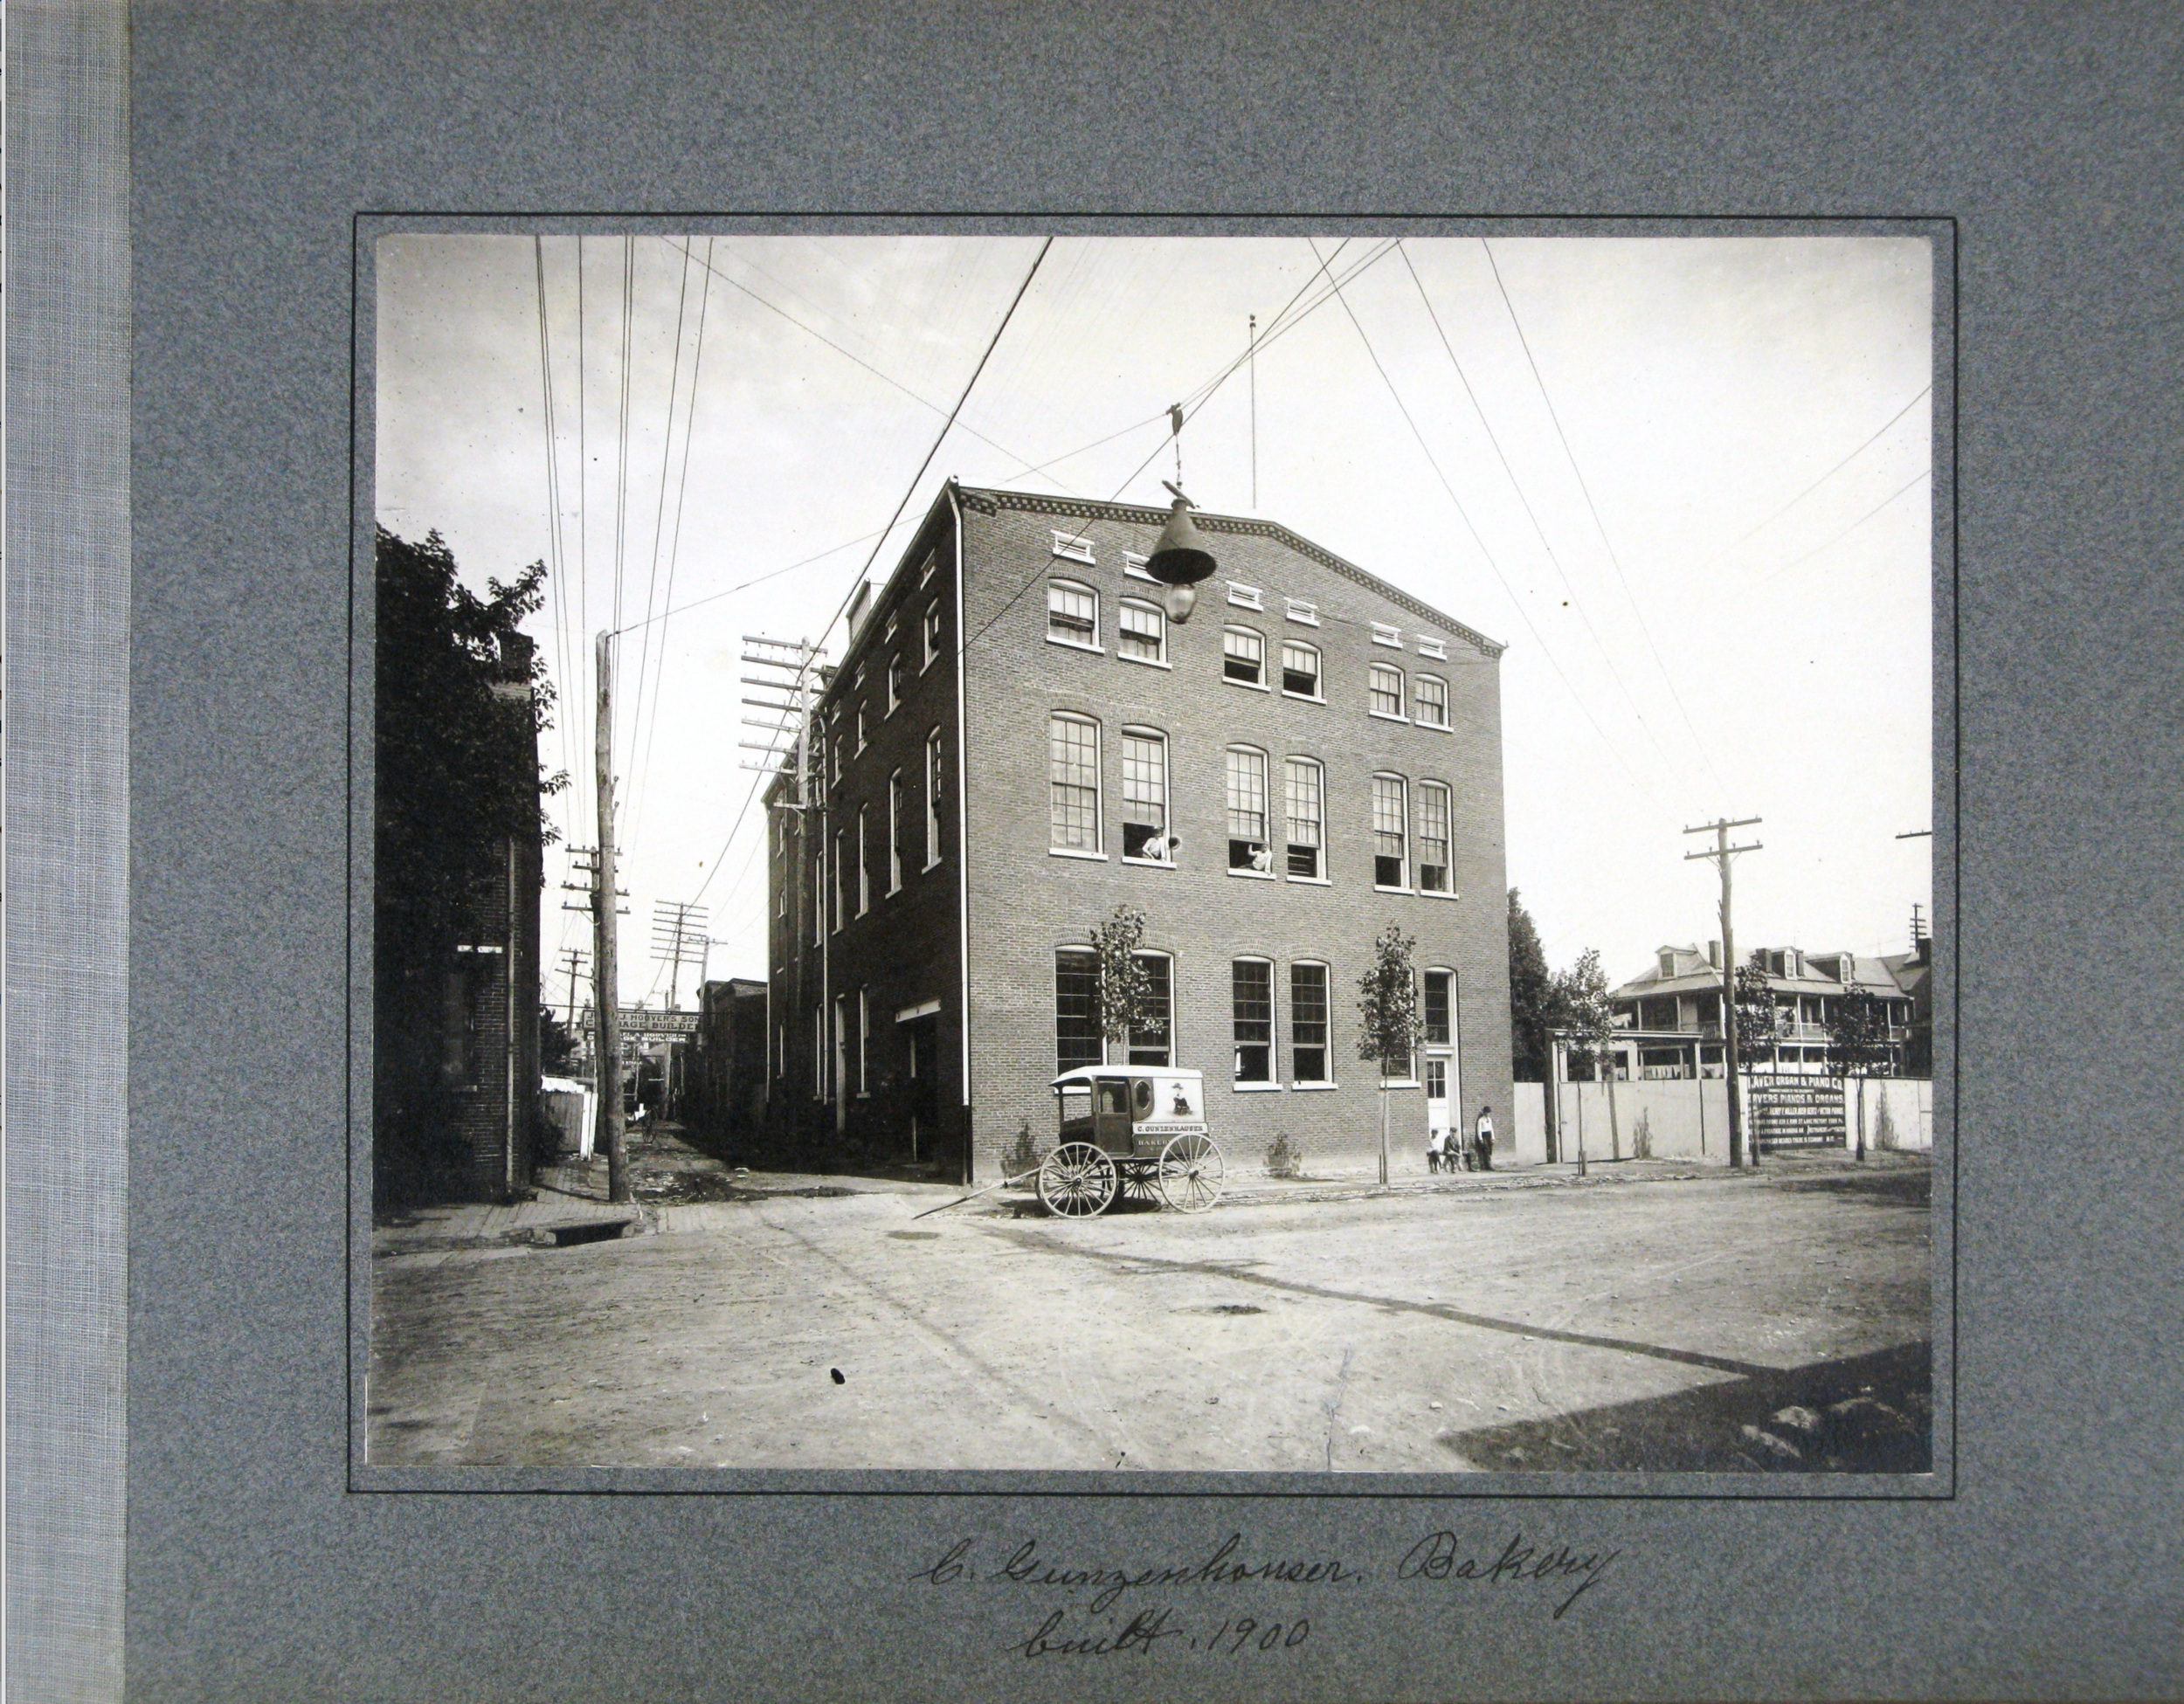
1308,1023
1252,982
1153,1043
1077,1025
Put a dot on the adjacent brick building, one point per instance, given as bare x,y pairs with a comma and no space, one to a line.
1017,740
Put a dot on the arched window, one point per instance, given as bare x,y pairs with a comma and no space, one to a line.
1304,792
1300,669
1153,1041
1432,838
1073,614
1141,631
1244,656
1248,852
1429,700
1073,745
1146,794
1391,840
932,799
1251,983
1438,1009
1384,691
1308,1023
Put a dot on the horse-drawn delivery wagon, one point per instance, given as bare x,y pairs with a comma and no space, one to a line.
1135,1130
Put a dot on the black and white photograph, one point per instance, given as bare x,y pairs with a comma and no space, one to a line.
1301,854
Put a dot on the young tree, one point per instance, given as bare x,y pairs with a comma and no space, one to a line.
1121,993
1587,1021
1389,1027
1761,1023
556,1047
1858,1044
1533,1016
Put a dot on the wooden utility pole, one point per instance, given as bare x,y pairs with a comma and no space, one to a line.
606,1018
1721,851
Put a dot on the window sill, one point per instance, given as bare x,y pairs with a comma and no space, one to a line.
1305,698
1437,893
1149,863
1401,1082
929,869
1142,662
1383,715
1377,888
1309,881
1073,851
1077,645
1253,875
1314,1089
1431,727
1248,685
1256,1088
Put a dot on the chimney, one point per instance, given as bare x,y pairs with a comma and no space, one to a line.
1713,953
860,607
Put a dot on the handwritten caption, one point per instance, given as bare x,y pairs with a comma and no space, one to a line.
1110,1610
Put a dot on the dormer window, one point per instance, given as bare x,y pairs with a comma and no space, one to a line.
1668,964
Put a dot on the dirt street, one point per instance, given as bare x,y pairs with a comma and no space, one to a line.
1654,1325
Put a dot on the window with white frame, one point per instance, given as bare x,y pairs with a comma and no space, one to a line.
888,632
1383,633
1308,1023
818,1052
894,831
864,870
1300,669
1074,549
1301,611
1247,810
860,727
1153,1041
932,633
1437,1008
1076,999
932,562
932,799
1251,995
1141,632
818,894
1243,657
1429,700
1305,790
896,675
1073,614
1384,691
838,913
1433,648
1145,794
1073,782
1134,566
1246,598
1390,848
864,1040
1432,838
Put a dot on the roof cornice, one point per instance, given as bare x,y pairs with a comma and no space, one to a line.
990,500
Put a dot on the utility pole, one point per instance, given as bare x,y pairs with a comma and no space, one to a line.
603,907
1252,348
1721,851
573,959
678,939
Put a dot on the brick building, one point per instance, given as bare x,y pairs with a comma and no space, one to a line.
1017,740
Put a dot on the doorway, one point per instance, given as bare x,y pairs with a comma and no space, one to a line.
922,1034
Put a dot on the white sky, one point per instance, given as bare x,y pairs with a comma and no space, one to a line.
1710,654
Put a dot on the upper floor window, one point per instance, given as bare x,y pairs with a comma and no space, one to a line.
864,863
1073,745
1145,794
1141,631
1433,648
838,913
1073,614
1134,567
895,674
894,831
1384,634
1300,610
932,633
1247,811
932,562
861,725
1243,656
887,632
1072,547
1429,700
1432,838
1391,844
1246,598
932,799
1304,789
1300,670
1384,689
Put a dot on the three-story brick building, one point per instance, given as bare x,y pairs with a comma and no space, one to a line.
1018,740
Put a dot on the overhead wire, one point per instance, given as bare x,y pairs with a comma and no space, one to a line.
1778,572
1867,443
1698,743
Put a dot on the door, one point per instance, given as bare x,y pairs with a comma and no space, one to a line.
1436,1097
924,1039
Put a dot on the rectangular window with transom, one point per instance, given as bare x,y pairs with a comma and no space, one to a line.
1152,1042
1076,1024
1145,794
1438,1001
1247,811
1304,791
1429,702
1073,782
1243,657
1391,839
1384,691
1300,670
1308,1023
1252,996
1141,632
1432,838
932,799
1073,614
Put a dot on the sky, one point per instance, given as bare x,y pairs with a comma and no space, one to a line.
1685,480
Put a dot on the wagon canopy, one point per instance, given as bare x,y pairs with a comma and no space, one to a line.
1155,1099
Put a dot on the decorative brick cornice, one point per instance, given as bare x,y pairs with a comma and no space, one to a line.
990,501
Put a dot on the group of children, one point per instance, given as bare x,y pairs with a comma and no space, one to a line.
1465,1150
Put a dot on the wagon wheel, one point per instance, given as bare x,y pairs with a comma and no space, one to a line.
1076,1181
1192,1173
1139,1181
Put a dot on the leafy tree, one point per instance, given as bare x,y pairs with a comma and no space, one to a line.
1121,993
1761,1021
1858,1044
557,1049
1534,1014
1389,1027
448,800
1587,1027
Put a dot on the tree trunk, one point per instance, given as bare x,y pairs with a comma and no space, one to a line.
1860,1118
1614,1126
1580,1130
1384,1124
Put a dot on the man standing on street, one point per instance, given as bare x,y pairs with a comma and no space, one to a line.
1484,1138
